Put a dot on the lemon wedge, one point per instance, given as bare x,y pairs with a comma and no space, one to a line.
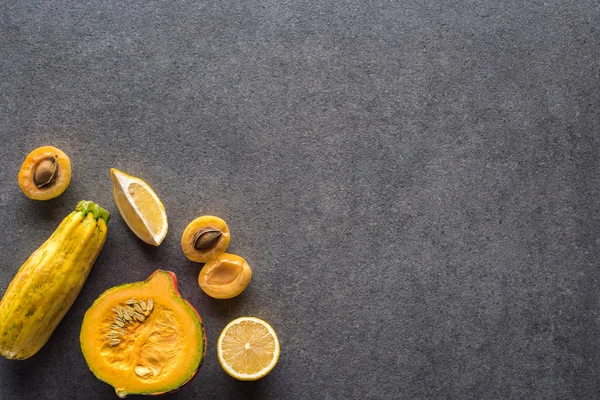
248,348
140,207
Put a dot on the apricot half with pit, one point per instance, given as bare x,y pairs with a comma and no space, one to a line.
205,238
225,276
45,173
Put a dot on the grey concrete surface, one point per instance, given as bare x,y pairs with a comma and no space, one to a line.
415,183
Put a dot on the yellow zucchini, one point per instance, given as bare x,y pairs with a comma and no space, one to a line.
47,283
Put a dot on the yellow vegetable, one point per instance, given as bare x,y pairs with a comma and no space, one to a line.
143,337
47,283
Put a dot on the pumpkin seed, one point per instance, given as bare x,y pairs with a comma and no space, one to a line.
119,311
150,305
143,305
119,322
131,301
129,310
117,329
138,308
114,342
139,317
141,371
112,335
127,317
113,332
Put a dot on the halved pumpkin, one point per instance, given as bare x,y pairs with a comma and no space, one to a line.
143,337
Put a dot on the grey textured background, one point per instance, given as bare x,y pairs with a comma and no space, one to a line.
415,183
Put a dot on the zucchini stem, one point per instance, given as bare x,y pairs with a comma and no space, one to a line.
86,207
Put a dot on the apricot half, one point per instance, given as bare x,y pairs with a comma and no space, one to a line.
225,276
45,173
205,238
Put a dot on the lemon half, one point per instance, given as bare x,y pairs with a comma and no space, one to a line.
248,348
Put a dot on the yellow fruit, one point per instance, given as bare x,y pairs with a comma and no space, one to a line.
140,207
248,348
225,276
45,173
205,238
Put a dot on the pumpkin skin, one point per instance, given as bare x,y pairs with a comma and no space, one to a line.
49,281
154,355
